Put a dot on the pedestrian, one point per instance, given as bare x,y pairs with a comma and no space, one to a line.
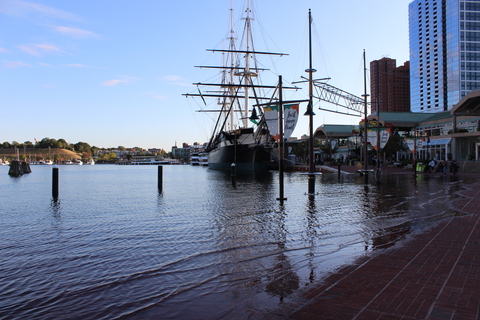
455,167
431,166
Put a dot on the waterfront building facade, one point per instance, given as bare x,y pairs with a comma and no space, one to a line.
444,52
389,86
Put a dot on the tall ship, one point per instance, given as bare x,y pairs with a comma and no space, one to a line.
240,136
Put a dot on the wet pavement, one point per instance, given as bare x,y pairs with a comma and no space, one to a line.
433,275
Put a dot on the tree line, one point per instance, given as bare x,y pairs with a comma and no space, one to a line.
46,143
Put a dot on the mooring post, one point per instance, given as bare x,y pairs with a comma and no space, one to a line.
55,184
160,178
233,174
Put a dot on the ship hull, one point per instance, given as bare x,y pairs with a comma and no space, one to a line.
245,157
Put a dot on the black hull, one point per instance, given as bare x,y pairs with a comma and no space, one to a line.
245,158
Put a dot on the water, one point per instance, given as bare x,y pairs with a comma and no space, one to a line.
113,247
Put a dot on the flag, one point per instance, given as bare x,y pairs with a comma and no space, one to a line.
290,117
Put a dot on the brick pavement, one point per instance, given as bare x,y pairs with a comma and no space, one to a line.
436,275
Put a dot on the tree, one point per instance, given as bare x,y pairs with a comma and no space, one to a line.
112,156
62,143
94,150
81,147
395,143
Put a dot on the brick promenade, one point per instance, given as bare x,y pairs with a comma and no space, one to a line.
436,275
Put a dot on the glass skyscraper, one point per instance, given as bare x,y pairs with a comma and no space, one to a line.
444,52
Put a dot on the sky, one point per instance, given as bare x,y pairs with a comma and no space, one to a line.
112,73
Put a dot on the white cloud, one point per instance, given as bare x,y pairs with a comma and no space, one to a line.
75,32
75,65
3,49
39,49
48,86
27,9
122,79
175,80
157,96
15,64
111,83
172,78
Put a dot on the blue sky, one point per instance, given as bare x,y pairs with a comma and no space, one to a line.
112,73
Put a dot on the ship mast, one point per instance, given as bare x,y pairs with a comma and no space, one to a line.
232,64
247,73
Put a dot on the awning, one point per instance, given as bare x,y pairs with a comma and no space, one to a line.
437,142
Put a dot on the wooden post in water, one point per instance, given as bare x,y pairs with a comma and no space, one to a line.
160,179
281,142
55,184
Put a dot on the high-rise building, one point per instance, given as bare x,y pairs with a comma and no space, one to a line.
389,86
444,52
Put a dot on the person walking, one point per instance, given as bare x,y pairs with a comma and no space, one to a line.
431,166
455,167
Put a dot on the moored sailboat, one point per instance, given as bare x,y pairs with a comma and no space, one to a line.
240,138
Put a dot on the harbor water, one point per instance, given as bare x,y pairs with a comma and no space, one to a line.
113,247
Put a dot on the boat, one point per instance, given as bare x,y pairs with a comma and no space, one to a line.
78,162
203,159
148,160
195,159
90,162
239,138
45,162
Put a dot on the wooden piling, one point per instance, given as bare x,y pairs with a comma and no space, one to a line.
160,179
26,167
55,184
233,174
16,169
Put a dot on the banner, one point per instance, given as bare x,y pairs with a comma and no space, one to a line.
372,137
290,118
411,144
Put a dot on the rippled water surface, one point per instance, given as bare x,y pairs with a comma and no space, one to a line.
113,247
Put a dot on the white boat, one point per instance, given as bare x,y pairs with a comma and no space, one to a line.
149,161
78,162
195,159
203,159
68,162
90,162
45,162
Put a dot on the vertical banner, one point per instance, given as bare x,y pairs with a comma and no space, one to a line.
290,118
411,144
271,117
372,137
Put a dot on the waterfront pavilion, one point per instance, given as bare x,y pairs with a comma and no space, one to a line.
345,136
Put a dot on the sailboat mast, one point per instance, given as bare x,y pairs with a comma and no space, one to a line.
310,113
248,78
365,134
232,63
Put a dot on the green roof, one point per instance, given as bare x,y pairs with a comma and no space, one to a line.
388,117
338,128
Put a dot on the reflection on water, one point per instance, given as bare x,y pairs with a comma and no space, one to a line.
113,247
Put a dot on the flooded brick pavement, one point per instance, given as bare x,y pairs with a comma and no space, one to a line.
435,275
